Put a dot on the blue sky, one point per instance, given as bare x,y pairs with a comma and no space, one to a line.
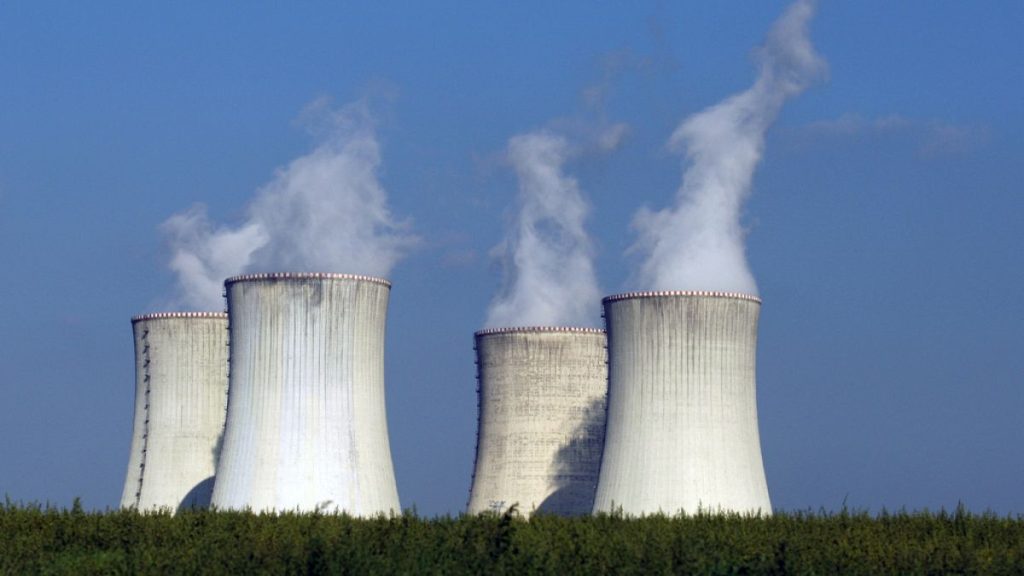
884,222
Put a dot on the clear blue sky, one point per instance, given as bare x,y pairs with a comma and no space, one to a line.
885,222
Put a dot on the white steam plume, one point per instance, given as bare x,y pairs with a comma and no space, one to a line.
326,212
203,256
699,244
550,278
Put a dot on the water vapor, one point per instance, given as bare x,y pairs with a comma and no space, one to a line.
698,244
550,279
325,211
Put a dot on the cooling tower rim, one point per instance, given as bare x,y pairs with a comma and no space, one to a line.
179,315
305,276
539,329
683,293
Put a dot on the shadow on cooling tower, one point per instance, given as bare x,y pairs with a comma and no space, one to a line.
200,495
576,466
198,498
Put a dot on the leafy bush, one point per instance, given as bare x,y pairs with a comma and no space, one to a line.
38,539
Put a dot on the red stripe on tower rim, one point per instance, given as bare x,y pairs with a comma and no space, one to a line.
680,293
179,315
539,329
305,276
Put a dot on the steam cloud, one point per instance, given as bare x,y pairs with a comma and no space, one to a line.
550,278
325,211
698,243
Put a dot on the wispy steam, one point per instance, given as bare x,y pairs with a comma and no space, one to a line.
325,211
933,138
550,278
204,256
698,243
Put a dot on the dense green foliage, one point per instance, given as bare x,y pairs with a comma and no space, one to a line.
35,539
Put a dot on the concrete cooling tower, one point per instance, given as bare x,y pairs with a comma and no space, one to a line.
181,386
682,429
541,428
306,426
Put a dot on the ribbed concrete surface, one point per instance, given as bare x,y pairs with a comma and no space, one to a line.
682,430
306,427
541,428
181,381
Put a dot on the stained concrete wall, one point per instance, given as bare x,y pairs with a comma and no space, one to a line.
541,425
306,427
682,430
181,381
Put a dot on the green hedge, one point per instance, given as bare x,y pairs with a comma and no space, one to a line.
36,539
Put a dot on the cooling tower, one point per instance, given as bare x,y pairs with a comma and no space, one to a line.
541,428
306,427
181,386
682,412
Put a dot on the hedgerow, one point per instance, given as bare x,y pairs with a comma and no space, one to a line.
45,539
